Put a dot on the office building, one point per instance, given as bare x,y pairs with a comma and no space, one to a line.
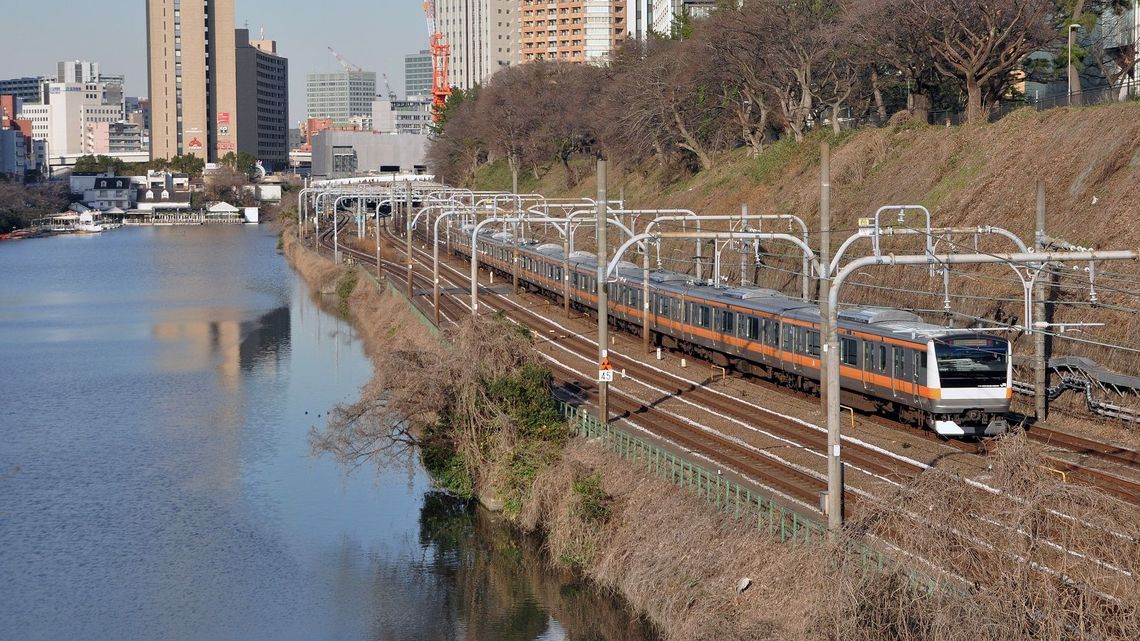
417,74
192,78
665,13
582,31
340,96
27,88
262,100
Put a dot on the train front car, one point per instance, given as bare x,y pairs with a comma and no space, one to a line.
971,382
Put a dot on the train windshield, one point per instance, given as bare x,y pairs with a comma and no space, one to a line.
975,361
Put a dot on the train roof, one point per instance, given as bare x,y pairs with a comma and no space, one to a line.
881,321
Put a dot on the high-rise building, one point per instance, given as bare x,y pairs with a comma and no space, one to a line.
340,96
193,94
483,35
665,13
417,74
262,100
572,30
27,88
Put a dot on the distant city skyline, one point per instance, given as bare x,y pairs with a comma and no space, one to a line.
374,35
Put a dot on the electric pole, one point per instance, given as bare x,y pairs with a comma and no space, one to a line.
1040,371
829,386
605,371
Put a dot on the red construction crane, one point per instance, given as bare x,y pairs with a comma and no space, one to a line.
440,53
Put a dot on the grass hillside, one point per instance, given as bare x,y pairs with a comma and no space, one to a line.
1089,159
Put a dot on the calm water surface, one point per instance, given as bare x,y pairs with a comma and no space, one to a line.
155,478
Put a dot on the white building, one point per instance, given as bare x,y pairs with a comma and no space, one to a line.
109,192
80,71
63,122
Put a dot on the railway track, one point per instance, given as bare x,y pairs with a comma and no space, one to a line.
873,462
793,484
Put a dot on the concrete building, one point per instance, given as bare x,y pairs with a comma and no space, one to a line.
340,96
64,120
411,116
262,100
14,161
483,35
80,71
28,88
113,138
192,78
583,31
666,12
342,153
417,74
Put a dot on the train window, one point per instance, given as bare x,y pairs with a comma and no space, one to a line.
900,363
704,316
848,351
727,322
664,305
917,363
752,328
813,343
801,340
772,333
789,331
882,357
868,355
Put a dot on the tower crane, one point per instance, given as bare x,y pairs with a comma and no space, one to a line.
440,53
348,66
388,88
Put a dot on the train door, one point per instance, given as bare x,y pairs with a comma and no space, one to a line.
898,371
916,368
868,364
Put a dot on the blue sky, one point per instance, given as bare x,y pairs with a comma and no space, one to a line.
374,34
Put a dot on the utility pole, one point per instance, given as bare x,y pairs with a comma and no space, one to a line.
830,386
1040,371
408,223
604,369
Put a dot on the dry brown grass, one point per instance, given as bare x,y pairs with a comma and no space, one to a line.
679,560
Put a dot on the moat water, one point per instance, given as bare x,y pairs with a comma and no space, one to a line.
156,482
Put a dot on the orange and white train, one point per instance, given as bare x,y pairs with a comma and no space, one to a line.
956,382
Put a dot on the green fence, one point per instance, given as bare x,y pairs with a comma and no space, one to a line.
741,502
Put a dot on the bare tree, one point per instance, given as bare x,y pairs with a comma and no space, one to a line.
735,53
790,40
979,42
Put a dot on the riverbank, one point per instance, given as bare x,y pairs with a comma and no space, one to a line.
698,572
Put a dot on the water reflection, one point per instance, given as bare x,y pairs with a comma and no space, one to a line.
155,477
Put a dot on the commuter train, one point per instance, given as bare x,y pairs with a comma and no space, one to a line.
885,354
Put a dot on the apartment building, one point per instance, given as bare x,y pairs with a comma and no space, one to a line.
581,31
